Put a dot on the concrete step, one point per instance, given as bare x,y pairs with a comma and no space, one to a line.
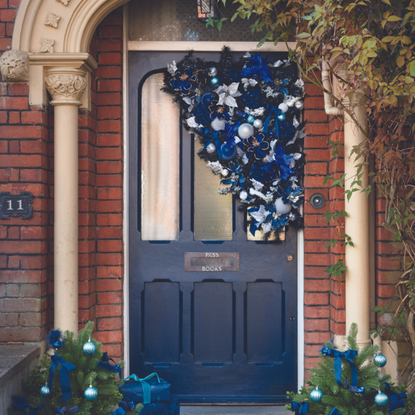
233,410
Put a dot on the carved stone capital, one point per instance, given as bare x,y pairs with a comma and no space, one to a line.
14,66
65,85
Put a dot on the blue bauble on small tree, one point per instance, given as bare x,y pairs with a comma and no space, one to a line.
379,360
316,395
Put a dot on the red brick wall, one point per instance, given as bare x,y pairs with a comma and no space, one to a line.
316,231
26,246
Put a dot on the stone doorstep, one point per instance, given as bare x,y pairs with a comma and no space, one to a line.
233,410
14,358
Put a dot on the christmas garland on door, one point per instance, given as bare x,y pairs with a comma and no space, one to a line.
247,115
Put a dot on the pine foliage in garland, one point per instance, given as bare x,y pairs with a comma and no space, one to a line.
86,372
336,396
247,115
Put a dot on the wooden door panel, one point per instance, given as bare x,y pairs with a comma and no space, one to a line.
215,336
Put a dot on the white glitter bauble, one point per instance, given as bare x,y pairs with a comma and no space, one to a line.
211,148
243,195
245,130
224,172
299,105
218,124
283,107
258,124
282,207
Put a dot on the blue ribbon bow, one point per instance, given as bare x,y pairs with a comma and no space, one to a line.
123,408
105,364
66,367
145,385
213,135
54,339
299,407
395,399
272,111
20,404
66,410
348,355
335,411
231,132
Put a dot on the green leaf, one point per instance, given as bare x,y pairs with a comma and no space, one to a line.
303,35
393,19
412,68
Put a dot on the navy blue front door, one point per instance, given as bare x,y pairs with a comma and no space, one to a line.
216,336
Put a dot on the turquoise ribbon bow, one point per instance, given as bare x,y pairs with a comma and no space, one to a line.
145,385
66,367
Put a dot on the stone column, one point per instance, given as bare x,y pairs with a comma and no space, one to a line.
357,273
66,86
357,222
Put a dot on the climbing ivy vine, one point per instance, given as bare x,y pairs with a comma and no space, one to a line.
375,38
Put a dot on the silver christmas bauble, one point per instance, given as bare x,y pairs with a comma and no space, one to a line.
299,105
283,107
281,117
212,72
381,399
45,391
316,395
250,119
211,148
89,348
379,360
91,393
224,172
243,195
245,130
258,124
282,207
218,124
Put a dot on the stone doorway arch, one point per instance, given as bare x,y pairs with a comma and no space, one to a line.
50,47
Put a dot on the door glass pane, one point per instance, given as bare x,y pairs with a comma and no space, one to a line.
176,20
212,211
160,151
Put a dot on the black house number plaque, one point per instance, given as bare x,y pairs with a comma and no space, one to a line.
16,205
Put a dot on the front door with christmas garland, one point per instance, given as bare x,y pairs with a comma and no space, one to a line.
212,307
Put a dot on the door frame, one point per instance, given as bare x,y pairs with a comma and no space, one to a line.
183,47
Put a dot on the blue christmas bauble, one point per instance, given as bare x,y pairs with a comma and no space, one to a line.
45,391
281,117
381,399
316,395
89,348
250,119
228,153
208,98
379,360
91,394
214,81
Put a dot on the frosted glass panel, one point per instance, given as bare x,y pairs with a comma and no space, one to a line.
176,20
160,150
212,211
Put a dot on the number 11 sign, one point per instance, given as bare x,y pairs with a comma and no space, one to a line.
16,205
